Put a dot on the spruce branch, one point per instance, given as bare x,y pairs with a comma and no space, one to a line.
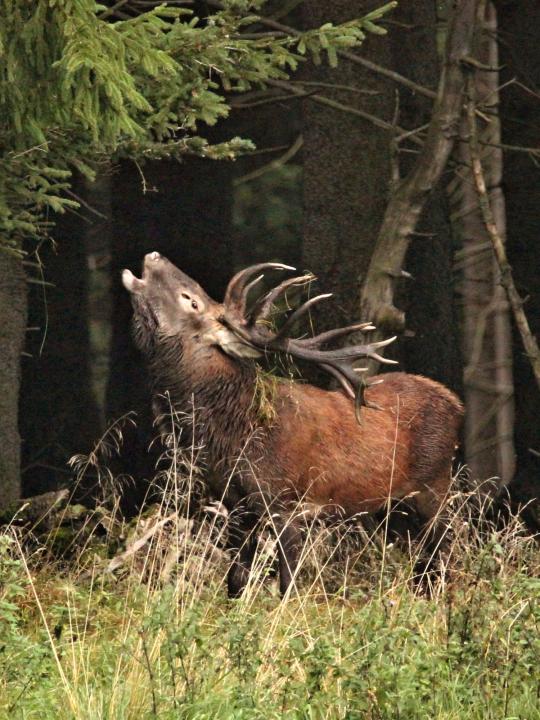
323,100
348,55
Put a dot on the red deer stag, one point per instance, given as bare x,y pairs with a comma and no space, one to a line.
310,447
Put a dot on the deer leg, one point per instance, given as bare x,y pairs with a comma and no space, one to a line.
289,542
434,533
242,544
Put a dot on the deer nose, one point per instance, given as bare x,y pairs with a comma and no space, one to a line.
151,261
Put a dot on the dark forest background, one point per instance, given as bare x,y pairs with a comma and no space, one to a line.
313,194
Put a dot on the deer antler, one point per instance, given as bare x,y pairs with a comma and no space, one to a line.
238,287
340,362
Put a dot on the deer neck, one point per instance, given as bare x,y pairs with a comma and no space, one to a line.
213,396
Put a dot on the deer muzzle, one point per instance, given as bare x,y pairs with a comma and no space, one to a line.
153,263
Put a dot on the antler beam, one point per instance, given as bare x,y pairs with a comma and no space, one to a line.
339,362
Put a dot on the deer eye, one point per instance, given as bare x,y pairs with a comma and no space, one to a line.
194,303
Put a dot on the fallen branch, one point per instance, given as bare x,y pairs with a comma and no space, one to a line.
132,549
34,509
507,280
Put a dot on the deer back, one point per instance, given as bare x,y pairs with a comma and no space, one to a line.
318,452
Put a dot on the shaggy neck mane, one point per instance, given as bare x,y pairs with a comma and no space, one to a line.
215,396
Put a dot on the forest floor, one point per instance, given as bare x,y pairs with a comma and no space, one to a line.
132,622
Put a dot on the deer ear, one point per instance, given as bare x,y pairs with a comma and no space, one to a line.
230,343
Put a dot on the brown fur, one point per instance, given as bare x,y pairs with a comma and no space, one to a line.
310,448
321,452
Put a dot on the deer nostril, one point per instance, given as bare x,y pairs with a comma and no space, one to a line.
154,256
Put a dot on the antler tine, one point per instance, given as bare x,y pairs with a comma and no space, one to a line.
356,390
245,292
303,348
383,360
354,386
326,337
337,362
262,307
344,382
383,343
360,399
236,293
298,313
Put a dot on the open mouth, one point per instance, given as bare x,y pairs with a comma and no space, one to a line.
134,284
131,283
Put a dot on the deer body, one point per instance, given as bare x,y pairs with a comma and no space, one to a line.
334,462
309,448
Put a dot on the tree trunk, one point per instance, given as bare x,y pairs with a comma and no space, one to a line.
430,344
59,415
487,343
98,247
519,28
346,167
410,194
13,304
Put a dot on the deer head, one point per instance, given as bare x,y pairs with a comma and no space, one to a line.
170,305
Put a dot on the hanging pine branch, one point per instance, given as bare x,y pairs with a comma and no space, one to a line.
77,85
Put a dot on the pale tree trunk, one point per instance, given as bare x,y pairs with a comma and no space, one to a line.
430,344
487,341
98,248
409,195
13,308
346,166
519,28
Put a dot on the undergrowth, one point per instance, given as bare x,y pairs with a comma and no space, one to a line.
138,625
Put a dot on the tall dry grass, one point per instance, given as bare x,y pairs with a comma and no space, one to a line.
131,620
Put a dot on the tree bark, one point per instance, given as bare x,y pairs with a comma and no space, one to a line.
346,167
487,345
409,196
59,414
13,305
98,247
430,346
519,28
